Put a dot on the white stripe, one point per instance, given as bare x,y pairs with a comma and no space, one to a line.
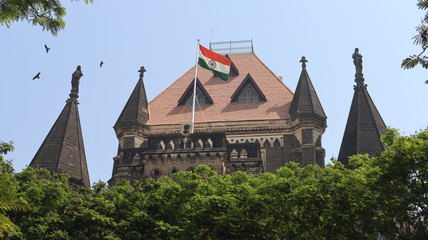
218,66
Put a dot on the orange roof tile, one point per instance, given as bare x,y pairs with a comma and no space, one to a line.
164,108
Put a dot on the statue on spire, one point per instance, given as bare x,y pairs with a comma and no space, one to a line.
75,80
358,62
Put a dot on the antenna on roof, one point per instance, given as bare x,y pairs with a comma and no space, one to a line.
243,46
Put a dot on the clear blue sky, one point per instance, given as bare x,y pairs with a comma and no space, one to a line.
161,35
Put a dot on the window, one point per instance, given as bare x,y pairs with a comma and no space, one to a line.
156,173
202,96
173,170
248,92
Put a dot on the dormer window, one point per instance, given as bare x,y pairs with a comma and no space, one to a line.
202,96
248,92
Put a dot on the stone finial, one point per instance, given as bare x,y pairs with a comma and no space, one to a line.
303,61
141,71
75,81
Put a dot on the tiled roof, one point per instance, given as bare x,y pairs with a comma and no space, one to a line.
164,109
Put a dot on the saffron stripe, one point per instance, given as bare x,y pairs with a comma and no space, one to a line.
214,56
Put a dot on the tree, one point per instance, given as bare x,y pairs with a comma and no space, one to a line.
402,185
9,201
420,39
47,14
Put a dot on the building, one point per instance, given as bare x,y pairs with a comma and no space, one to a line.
253,122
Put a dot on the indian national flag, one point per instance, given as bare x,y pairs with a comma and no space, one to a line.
214,62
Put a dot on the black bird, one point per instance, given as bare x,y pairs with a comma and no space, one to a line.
101,64
47,49
37,76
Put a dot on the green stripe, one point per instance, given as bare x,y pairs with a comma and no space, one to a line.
221,75
204,64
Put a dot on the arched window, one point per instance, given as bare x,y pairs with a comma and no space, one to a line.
156,173
170,145
173,170
199,144
209,143
161,145
234,154
243,154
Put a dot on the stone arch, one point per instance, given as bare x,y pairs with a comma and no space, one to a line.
234,154
189,144
199,144
161,145
180,144
243,153
170,145
209,143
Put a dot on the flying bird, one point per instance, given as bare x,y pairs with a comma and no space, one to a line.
101,64
47,49
37,76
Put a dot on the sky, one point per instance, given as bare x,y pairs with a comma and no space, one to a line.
162,36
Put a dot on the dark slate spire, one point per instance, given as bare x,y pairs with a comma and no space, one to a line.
365,125
135,112
305,101
63,150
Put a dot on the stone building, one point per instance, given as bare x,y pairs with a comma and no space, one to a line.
253,122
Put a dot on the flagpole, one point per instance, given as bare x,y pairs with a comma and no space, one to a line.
194,89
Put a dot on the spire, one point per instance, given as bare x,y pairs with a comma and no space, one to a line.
365,124
305,101
63,149
135,112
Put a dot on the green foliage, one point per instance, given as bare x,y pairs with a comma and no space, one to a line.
48,14
379,198
420,39
9,201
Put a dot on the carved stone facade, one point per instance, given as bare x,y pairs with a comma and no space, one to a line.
256,134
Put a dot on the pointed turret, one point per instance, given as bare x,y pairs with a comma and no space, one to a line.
63,149
131,132
365,124
305,101
309,121
135,114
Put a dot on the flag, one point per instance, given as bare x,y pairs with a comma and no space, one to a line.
214,62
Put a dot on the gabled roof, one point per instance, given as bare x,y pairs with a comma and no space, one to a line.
63,149
164,110
135,111
306,102
189,93
248,80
